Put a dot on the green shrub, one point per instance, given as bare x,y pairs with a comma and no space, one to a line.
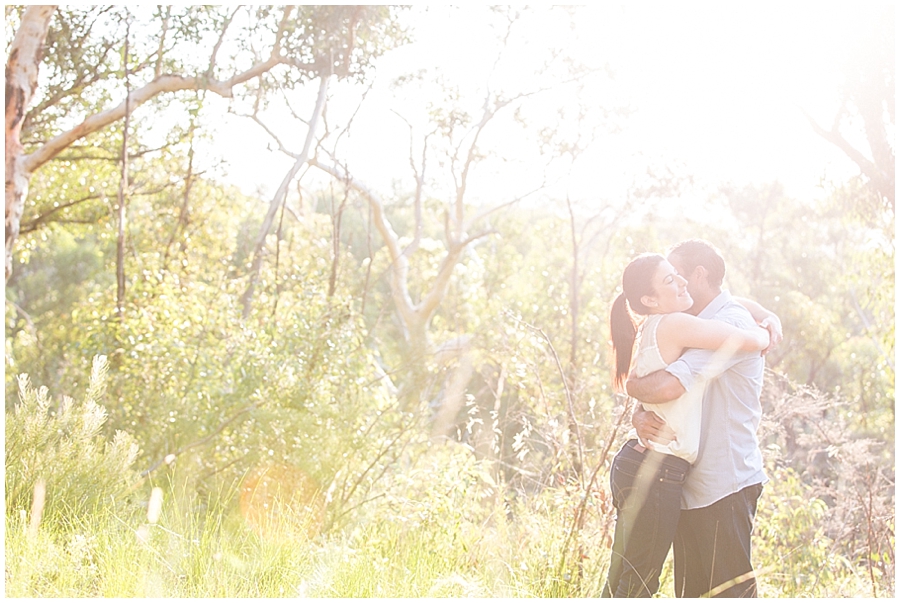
791,550
62,446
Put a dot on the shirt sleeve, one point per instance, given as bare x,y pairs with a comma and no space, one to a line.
695,365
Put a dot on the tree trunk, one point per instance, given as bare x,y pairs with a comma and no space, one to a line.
21,82
123,192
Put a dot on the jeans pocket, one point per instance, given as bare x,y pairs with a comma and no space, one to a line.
622,478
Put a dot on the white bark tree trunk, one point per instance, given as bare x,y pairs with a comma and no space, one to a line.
21,82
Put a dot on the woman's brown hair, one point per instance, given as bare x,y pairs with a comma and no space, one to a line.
637,281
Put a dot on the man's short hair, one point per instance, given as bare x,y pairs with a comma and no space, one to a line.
697,252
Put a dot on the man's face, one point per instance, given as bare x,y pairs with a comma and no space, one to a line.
692,283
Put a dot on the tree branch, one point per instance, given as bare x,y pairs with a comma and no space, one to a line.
165,83
268,130
280,196
497,208
169,458
215,51
835,138
33,225
486,117
157,71
399,262
420,185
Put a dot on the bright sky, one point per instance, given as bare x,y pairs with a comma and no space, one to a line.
716,88
721,86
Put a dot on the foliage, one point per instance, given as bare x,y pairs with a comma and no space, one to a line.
61,447
303,367
815,455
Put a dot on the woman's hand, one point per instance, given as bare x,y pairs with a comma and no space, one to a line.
651,428
766,319
773,325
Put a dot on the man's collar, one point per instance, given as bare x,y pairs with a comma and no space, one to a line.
713,307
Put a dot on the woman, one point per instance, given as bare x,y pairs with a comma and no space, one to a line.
646,482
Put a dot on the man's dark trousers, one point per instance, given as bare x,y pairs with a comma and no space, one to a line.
712,547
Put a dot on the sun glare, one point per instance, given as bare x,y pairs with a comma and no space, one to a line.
717,92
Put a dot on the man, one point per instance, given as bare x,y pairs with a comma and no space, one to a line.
712,542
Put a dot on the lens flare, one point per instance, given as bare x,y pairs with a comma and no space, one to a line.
279,501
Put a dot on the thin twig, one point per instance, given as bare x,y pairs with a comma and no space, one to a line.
569,401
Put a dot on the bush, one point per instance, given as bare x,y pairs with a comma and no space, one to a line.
62,447
827,515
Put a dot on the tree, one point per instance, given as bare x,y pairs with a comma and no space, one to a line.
450,151
867,103
290,45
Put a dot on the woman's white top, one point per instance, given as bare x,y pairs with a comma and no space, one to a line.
682,414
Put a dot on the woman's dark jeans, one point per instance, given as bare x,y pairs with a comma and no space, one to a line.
646,490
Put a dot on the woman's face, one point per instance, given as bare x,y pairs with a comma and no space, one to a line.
670,291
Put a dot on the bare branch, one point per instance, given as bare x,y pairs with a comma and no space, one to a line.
420,184
497,208
280,196
359,105
215,51
462,184
165,83
33,225
281,146
157,71
489,112
185,195
90,157
287,103
480,235
399,262
834,137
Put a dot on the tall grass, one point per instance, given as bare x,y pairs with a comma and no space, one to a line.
440,524
461,538
403,549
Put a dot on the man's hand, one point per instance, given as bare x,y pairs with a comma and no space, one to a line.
773,326
656,388
650,428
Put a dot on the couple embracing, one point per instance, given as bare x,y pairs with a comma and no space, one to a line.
692,472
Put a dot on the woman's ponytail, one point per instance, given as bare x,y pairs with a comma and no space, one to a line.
623,332
637,281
